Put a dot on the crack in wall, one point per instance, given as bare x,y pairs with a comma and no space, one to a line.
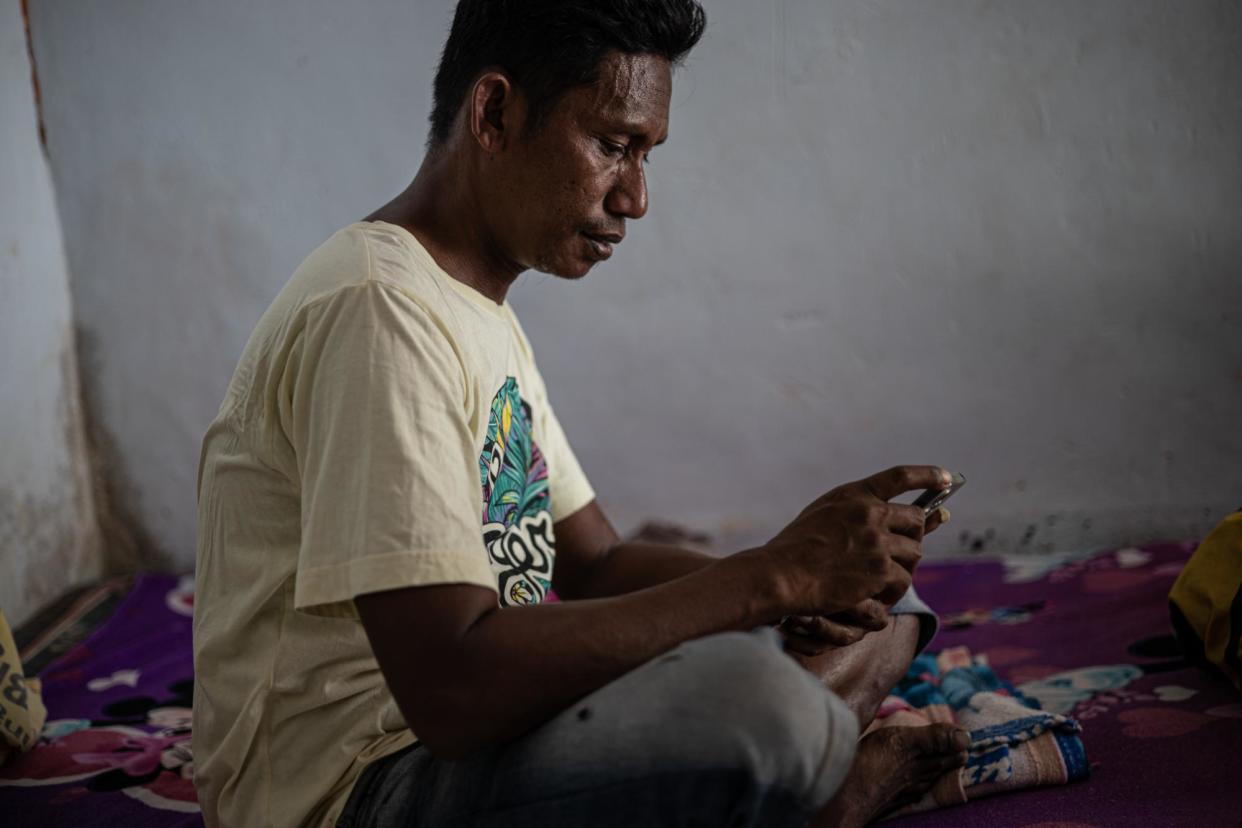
72,531
34,76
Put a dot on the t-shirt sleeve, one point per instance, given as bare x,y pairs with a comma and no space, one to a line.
373,404
568,486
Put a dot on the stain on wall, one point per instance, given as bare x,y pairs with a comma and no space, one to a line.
47,548
121,536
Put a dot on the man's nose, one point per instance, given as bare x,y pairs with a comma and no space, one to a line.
628,197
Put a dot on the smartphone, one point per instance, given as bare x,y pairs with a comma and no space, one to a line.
931,499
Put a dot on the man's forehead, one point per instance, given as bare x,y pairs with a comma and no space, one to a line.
634,90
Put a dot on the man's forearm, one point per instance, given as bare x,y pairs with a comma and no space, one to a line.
468,674
629,567
540,659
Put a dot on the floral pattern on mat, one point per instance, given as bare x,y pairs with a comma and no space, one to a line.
1159,733
1090,639
116,747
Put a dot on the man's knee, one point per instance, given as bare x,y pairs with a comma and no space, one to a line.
726,727
765,716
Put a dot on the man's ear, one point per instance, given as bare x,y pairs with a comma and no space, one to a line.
495,111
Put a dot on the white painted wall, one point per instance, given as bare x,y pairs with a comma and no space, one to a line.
48,539
1002,236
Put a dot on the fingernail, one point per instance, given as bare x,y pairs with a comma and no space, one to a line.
944,514
946,476
961,740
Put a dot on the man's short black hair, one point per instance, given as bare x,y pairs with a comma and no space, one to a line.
550,46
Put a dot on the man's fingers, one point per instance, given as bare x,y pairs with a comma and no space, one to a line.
829,632
891,482
939,517
870,615
907,520
811,647
905,552
898,582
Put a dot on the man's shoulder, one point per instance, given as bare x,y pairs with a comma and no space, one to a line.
356,280
362,254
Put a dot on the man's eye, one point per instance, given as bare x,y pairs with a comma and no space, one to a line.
611,147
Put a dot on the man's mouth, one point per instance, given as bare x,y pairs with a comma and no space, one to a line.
601,243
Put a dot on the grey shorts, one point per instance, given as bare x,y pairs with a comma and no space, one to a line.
722,730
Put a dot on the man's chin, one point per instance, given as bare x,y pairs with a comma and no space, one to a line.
566,270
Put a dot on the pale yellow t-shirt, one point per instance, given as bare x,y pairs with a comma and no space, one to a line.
386,427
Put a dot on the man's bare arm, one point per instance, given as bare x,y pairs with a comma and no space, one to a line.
467,674
593,562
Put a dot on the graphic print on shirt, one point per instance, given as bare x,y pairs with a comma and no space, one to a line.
517,510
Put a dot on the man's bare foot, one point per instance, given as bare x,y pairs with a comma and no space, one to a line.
894,766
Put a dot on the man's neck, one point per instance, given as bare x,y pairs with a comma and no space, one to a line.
441,210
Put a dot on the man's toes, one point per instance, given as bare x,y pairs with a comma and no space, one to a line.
955,740
946,762
940,739
929,768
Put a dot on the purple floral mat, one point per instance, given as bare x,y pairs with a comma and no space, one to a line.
1088,637
116,745
1091,638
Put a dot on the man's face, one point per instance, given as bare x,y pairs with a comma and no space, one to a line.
568,187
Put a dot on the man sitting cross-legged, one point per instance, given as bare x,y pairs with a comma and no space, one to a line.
386,497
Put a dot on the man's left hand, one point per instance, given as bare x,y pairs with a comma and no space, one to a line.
813,635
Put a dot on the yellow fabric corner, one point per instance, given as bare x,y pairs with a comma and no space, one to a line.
1208,598
21,701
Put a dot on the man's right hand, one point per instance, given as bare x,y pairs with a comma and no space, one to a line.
852,544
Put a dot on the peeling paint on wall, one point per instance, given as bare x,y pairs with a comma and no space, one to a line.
44,551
